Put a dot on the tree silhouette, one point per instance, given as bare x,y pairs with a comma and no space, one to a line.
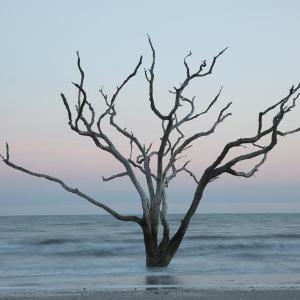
85,121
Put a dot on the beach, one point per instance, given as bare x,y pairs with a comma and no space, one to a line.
168,294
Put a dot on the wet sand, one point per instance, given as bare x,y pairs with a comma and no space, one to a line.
168,294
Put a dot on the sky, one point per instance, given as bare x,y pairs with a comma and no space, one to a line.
39,40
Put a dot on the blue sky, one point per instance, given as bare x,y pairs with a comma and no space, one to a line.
38,44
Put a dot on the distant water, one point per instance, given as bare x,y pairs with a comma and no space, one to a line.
94,252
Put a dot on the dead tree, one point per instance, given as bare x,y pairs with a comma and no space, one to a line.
84,120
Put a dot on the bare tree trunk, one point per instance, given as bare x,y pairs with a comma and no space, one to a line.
154,256
162,255
151,249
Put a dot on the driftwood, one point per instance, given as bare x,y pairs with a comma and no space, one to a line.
85,121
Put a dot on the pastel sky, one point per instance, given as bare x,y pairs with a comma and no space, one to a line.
37,62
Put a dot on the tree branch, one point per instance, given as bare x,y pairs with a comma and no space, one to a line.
192,175
97,136
212,172
288,132
133,139
114,176
151,84
251,172
133,163
175,171
189,140
74,191
273,130
164,221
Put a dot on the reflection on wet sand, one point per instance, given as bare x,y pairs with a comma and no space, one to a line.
159,280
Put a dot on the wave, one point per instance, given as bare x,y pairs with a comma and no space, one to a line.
52,241
116,252
247,237
72,224
234,248
88,253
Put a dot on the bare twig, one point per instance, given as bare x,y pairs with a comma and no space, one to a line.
114,176
150,79
251,172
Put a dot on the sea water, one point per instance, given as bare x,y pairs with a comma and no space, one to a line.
96,251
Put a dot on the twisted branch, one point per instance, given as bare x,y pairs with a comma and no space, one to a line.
71,190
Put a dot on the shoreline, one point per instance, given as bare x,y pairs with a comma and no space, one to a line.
257,292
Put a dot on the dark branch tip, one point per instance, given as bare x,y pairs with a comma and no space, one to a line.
7,152
148,36
223,51
188,55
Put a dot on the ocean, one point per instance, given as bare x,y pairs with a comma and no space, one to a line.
89,252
